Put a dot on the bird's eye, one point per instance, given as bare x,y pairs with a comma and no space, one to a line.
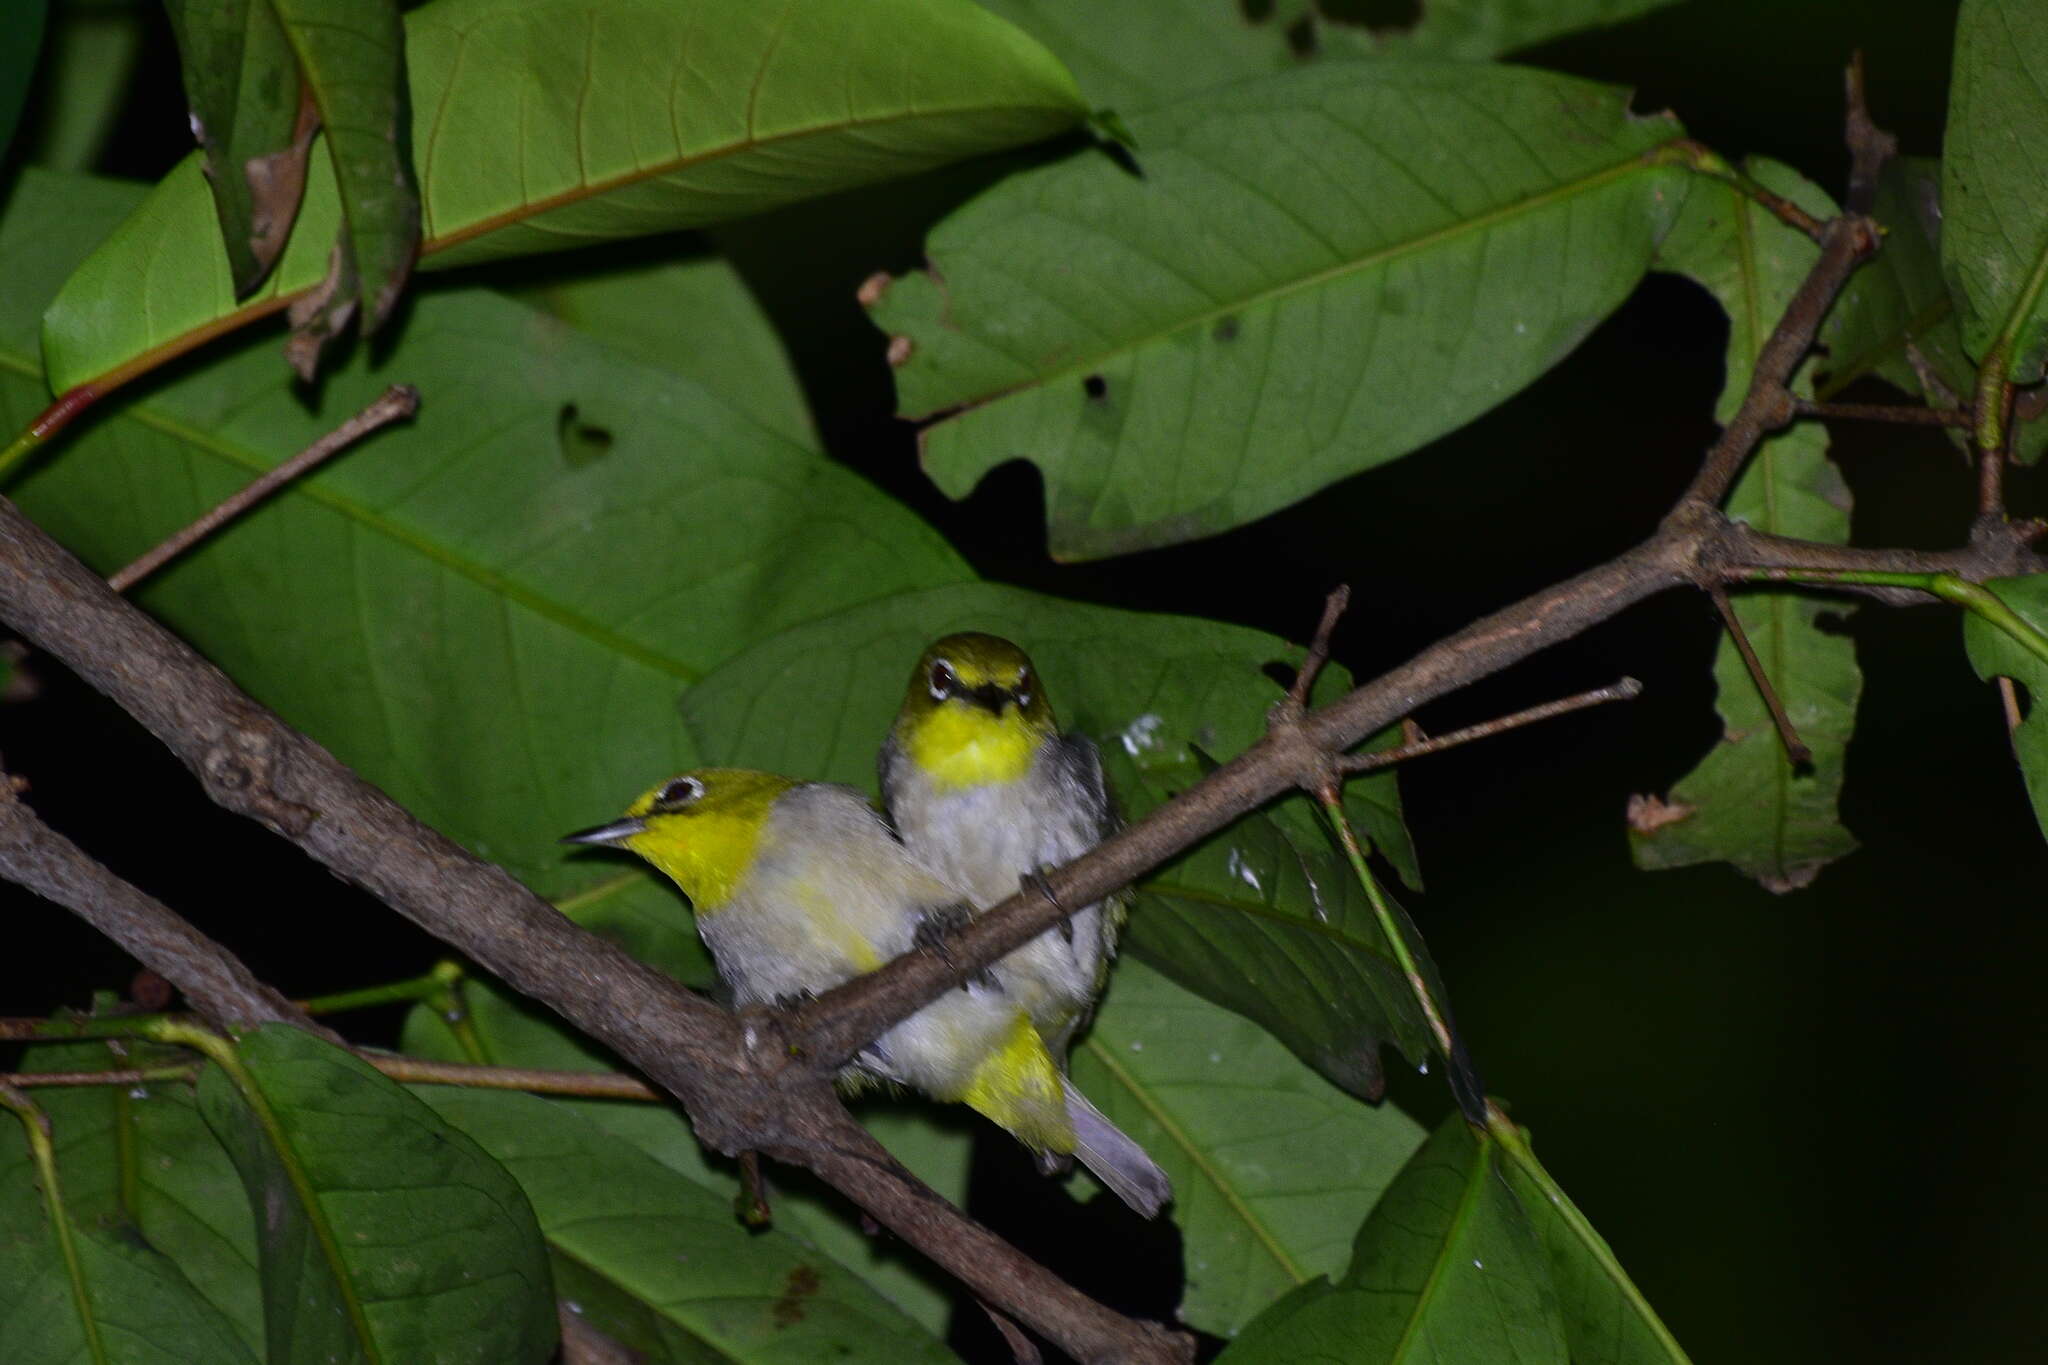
680,792
942,681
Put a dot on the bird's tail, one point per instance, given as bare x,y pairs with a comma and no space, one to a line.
1116,1160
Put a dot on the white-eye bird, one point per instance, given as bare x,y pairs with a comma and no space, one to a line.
798,887
981,784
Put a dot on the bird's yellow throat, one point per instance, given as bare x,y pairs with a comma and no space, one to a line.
708,846
965,746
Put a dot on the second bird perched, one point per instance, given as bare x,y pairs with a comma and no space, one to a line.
799,886
981,784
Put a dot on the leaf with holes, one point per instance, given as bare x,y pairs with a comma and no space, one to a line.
1314,273
385,1234
1745,803
1994,185
1263,918
1272,1167
1136,54
483,612
934,1143
1996,654
1448,1268
660,1264
546,124
696,317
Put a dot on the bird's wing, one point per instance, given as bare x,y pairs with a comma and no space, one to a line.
1073,763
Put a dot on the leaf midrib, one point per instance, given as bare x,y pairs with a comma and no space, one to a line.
1261,1233
491,580
1643,160
1481,1167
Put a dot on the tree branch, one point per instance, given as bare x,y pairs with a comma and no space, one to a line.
740,1086
219,986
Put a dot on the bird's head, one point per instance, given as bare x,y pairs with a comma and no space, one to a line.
702,828
974,712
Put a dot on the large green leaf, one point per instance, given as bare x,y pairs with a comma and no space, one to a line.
696,317
1261,918
139,1162
385,1234
1606,1320
482,613
1994,184
662,1264
513,1032
544,124
1315,273
1995,654
73,1292
1272,1167
1745,803
1139,53
1447,1269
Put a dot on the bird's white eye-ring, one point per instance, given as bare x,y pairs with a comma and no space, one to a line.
942,680
680,792
1023,688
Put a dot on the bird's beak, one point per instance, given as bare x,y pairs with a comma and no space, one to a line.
617,832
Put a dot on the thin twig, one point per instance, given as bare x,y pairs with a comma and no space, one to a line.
1869,145
398,402
1623,690
1796,751
1909,414
1334,607
1992,457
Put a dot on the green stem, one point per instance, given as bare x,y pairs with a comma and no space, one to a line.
44,1154
1516,1144
1384,912
414,989
1973,597
18,450
448,1001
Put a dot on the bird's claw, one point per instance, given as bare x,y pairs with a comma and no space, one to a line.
934,934
1035,881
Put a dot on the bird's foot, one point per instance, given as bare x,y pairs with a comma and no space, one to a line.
1035,881
934,934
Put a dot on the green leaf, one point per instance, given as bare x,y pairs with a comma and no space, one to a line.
1139,53
1900,298
1314,273
86,75
385,1234
1744,803
243,87
25,20
547,124
1272,1167
695,317
1262,919
469,609
932,1142
1996,654
1447,1268
353,55
1606,1320
1994,184
139,1162
72,1292
663,1265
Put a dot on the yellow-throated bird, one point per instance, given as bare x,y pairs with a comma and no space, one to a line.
799,886
981,784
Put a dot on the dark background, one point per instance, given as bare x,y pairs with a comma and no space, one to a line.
1804,1122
